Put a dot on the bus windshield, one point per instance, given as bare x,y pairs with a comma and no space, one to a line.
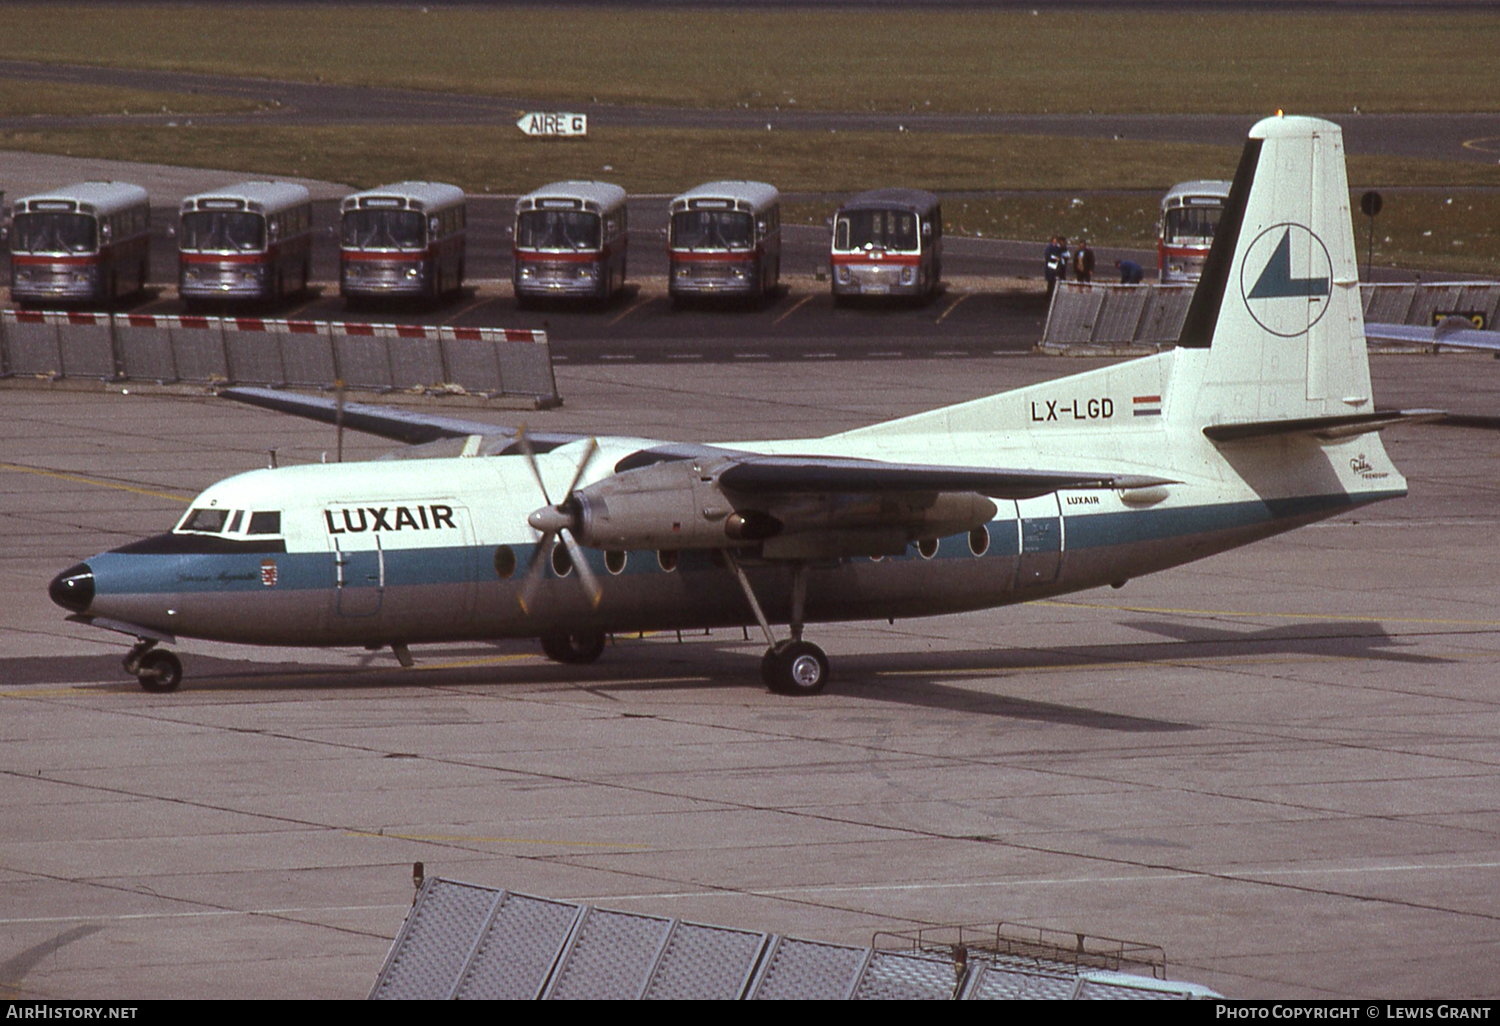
53,233
877,229
557,229
712,229
1198,224
221,231
383,229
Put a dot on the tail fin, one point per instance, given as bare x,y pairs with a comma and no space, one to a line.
1277,312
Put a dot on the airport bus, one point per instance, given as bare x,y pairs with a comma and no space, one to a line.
89,242
247,241
570,241
887,242
403,239
724,239
1190,213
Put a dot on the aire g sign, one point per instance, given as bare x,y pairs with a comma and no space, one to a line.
544,125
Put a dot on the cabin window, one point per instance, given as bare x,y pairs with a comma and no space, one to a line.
979,540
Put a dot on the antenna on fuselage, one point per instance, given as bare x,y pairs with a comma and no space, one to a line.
338,416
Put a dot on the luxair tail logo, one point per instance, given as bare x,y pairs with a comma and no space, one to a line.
1292,279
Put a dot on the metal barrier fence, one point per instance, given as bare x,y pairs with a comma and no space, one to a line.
488,362
465,941
1089,317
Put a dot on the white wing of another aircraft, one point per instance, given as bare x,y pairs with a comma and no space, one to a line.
1457,332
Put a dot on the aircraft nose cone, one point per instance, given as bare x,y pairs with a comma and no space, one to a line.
73,589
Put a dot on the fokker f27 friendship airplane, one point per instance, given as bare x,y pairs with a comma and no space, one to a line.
1259,421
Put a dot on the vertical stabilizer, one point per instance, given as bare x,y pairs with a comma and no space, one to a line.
1277,314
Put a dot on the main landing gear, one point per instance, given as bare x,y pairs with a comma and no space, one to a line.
793,666
157,669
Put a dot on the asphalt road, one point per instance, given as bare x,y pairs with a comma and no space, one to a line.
1278,764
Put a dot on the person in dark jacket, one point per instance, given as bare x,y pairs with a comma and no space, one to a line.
1055,261
1083,262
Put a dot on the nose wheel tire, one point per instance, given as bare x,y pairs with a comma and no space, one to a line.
573,648
795,668
159,671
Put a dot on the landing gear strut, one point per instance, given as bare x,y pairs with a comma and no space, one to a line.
793,666
157,669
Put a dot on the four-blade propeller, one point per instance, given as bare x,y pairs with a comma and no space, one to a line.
554,521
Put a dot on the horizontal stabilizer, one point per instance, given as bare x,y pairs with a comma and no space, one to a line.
1331,428
806,474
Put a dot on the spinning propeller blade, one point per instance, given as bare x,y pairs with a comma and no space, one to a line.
555,521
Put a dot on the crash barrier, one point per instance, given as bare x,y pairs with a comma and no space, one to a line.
489,362
1086,316
465,941
1429,303
1090,314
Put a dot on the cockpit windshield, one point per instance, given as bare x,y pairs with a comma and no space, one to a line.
712,229
53,233
207,520
383,229
891,230
557,229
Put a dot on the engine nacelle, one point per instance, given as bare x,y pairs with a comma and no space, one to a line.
673,505
681,505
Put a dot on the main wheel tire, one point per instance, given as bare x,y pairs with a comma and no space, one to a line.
574,649
795,668
159,671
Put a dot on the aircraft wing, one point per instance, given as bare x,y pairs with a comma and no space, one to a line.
406,426
789,475
1451,331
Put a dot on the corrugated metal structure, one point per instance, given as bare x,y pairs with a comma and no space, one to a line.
464,941
1091,318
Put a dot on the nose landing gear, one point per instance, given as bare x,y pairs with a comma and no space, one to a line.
156,669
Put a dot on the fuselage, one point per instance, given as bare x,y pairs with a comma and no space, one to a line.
430,550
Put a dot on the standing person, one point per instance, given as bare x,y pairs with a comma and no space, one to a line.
1055,261
1083,262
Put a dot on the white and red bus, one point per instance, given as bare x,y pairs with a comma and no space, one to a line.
887,242
89,242
1190,213
404,239
247,241
571,240
724,239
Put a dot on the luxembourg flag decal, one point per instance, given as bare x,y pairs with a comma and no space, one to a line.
1146,406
